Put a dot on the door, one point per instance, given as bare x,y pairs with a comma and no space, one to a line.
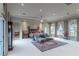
1,36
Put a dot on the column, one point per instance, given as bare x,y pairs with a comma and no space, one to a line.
78,29
20,36
66,29
55,29
49,28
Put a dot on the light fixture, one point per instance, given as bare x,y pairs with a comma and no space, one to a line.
77,9
61,16
41,10
41,21
54,14
22,4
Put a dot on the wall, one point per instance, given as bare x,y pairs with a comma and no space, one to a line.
20,25
16,27
31,23
1,9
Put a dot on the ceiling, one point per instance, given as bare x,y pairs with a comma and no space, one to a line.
48,11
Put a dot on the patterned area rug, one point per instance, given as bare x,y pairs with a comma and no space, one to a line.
48,45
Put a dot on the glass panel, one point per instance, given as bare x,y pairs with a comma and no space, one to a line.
46,28
72,28
60,30
53,29
1,37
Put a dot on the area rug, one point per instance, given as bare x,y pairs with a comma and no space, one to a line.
48,45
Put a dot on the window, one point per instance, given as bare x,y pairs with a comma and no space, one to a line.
72,28
46,28
60,29
53,29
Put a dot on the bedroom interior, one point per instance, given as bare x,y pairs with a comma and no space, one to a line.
39,29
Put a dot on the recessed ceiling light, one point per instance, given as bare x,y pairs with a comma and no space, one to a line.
54,14
41,20
22,4
41,10
77,9
61,16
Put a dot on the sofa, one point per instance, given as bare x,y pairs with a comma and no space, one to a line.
40,37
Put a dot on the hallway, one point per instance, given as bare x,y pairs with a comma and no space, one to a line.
26,48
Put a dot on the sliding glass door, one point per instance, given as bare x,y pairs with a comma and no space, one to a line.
60,29
72,29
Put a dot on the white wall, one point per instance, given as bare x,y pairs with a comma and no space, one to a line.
1,9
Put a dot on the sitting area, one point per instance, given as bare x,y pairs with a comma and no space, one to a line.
45,40
41,37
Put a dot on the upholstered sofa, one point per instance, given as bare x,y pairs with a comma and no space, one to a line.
40,37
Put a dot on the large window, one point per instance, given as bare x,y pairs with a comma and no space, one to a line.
72,28
46,28
53,29
60,29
